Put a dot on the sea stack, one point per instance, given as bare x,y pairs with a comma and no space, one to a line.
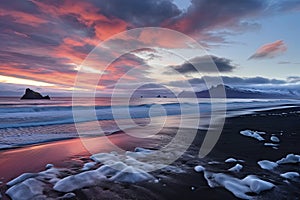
30,94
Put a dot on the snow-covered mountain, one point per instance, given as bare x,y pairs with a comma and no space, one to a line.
232,92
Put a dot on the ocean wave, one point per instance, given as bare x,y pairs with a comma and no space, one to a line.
12,117
31,116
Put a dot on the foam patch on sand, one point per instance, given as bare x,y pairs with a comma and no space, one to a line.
88,166
105,158
290,175
31,185
48,174
142,159
49,166
78,181
233,160
244,188
131,175
230,160
28,189
199,168
268,144
69,195
266,164
238,187
289,159
274,139
214,163
21,178
114,167
253,134
236,168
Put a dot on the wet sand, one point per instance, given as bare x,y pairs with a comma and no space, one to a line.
33,158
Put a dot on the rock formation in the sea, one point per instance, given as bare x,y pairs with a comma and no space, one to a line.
30,94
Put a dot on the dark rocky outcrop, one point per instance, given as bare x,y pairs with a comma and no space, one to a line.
30,94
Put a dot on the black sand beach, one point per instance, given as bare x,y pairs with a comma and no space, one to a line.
183,182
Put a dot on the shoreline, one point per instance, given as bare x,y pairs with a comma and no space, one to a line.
59,151
72,138
12,147
281,122
234,113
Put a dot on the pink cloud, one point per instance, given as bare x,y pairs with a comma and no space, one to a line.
22,17
270,50
86,13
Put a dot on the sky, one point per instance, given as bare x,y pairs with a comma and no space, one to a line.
46,43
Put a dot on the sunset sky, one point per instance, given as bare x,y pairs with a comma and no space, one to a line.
254,43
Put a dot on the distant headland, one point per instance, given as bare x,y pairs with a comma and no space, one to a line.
30,94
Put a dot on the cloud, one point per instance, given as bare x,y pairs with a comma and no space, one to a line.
251,80
139,13
233,81
205,64
270,50
286,6
205,15
25,61
293,79
288,63
40,68
85,13
129,67
22,18
284,62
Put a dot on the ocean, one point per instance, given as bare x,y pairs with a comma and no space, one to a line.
24,122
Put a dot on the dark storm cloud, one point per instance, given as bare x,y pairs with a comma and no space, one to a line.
205,64
210,14
200,17
240,81
139,12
